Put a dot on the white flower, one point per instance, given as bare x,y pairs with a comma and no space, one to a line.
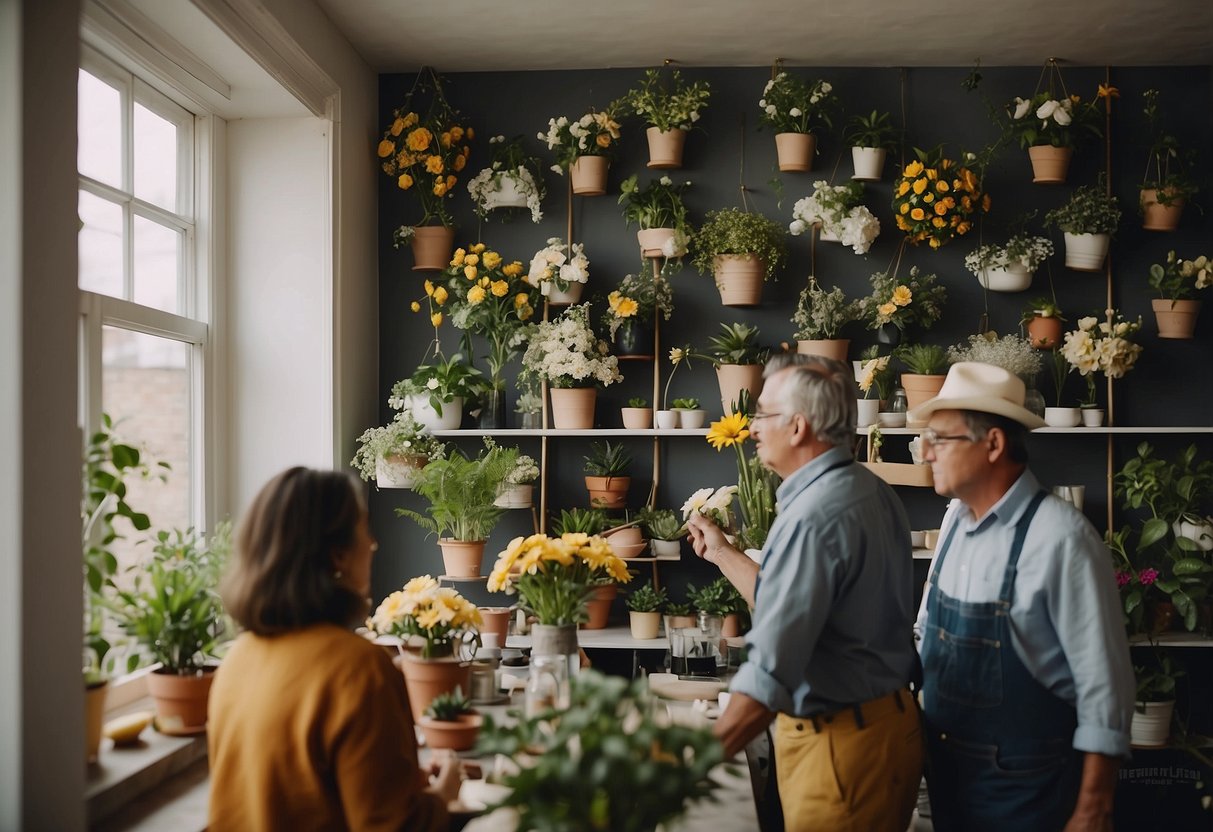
432,384
1088,323
722,499
762,102
798,227
795,112
1044,111
1062,116
696,502
826,87
771,109
665,180
1022,106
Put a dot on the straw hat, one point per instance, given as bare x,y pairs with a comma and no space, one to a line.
972,385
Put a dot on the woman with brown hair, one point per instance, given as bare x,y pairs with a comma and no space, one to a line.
309,724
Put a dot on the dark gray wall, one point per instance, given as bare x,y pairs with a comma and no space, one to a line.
1169,387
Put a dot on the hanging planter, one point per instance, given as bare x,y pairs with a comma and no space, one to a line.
425,415
1044,333
586,153
432,247
1049,164
633,339
1012,278
589,175
1160,216
670,106
1086,252
741,249
835,348
936,199
398,470
665,147
653,240
739,279
868,163
795,151
1176,318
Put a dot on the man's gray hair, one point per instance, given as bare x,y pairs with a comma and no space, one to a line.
821,390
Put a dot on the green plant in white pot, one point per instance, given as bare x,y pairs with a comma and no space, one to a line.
393,453
513,180
1155,700
871,138
665,531
436,393
518,489
1088,221
741,249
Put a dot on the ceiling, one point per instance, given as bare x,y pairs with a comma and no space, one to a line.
491,35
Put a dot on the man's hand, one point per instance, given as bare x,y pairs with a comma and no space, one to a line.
707,539
742,720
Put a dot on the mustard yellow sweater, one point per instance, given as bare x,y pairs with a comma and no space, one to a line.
312,730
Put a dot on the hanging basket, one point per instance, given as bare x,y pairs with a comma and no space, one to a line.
568,296
1049,164
652,240
398,470
1085,252
1044,333
1159,217
835,348
739,278
665,147
589,175
432,247
795,151
1013,278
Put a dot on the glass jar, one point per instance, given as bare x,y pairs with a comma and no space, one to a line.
898,403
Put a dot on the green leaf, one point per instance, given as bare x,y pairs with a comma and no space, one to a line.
1154,530
1190,566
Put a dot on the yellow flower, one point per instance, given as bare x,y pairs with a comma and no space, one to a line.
963,228
475,295
471,135
439,188
500,288
920,185
939,222
905,208
470,272
450,181
603,140
386,149
935,242
459,162
477,248
677,354
626,308
932,174
901,221
902,296
472,259
409,120
436,319
491,259
525,313
457,257
887,309
985,203
419,139
1108,91
429,289
913,169
483,282
521,299
902,187
917,214
513,269
405,181
434,164
729,431
397,127
415,306
445,139
941,208
928,198
456,133
942,186
440,295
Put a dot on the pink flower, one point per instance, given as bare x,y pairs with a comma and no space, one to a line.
1147,576
1124,578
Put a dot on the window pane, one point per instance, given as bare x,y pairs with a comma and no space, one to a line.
100,245
155,159
146,388
157,260
99,130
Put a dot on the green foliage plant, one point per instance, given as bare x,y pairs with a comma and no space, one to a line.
821,314
924,359
584,520
1156,681
685,404
657,205
607,459
646,599
461,491
441,382
1168,168
661,523
403,436
449,706
736,343
669,104
717,598
873,130
638,401
734,231
1179,279
1090,210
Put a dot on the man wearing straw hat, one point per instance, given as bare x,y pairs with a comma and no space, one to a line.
1028,689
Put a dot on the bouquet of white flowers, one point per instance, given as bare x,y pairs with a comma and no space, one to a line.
566,352
837,209
558,266
714,504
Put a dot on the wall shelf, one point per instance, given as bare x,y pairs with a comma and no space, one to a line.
596,432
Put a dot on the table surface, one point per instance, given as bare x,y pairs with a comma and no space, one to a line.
615,638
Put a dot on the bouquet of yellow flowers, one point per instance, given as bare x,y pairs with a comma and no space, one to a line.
554,576
937,198
423,152
438,614
756,483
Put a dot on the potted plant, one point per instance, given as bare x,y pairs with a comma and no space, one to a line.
461,492
559,272
631,310
838,211
928,366
690,414
871,138
393,453
1042,318
1155,700
819,317
1050,126
714,604
793,107
661,214
1168,182
937,199
423,150
756,483
435,393
664,530
444,621
644,611
1177,282
518,488
172,609
637,415
898,302
739,360
604,474
590,521
679,615
1105,346
1011,352
609,762
450,721
566,353
584,147
872,376
1089,221
670,108
741,249
513,180
1009,267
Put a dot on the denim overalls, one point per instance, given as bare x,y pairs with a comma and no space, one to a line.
1000,754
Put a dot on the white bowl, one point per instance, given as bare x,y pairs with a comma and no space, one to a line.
891,420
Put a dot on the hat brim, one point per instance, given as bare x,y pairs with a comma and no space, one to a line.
981,404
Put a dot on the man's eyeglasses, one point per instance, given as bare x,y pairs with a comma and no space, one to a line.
932,439
758,416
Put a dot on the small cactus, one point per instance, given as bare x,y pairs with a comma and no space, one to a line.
448,707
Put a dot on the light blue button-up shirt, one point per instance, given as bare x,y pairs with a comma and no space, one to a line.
834,604
1066,623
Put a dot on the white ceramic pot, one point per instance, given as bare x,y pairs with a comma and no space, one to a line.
866,411
1200,533
645,625
507,194
426,416
667,419
1153,726
665,548
396,471
1085,252
692,418
1062,417
868,163
516,496
1092,417
1014,278
572,295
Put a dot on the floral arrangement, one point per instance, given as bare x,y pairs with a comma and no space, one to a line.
734,231
821,314
594,134
424,151
1058,122
658,205
403,436
1102,346
915,299
837,208
525,471
489,297
1090,210
936,199
790,105
672,107
1178,279
1168,170
510,162
874,374
565,351
756,483
714,504
440,615
557,265
554,576
1021,249
1011,352
638,298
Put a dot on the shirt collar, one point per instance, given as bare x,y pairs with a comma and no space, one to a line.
1010,507
807,474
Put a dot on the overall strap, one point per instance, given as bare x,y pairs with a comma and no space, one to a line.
1021,531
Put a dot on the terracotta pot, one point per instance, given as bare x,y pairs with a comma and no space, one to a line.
630,536
637,418
795,151
868,163
461,558
398,471
731,628
589,175
1085,252
180,701
651,240
644,625
733,378
496,622
599,606
573,407
1176,319
1158,217
665,147
835,348
1162,616
426,678
459,735
568,296
94,715
739,278
608,492
920,388
677,622
432,247
1049,164
1044,333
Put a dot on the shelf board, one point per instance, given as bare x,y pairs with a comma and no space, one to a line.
685,432
1172,640
923,554
1135,430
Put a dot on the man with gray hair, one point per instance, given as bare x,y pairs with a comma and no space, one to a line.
831,651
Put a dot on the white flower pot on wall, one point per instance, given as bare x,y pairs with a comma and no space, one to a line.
1151,723
428,417
1085,252
1013,278
868,163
